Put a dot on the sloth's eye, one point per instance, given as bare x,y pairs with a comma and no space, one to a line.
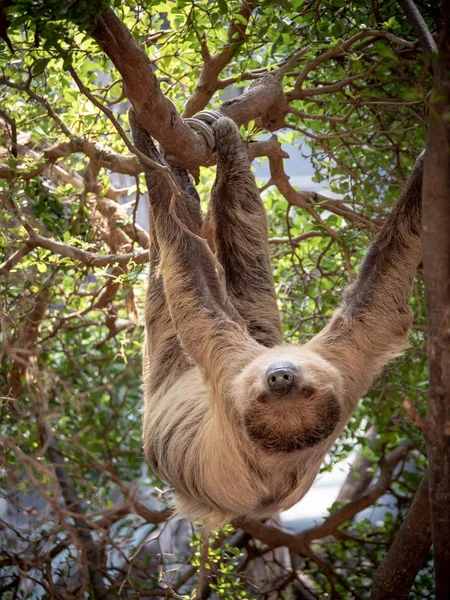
306,391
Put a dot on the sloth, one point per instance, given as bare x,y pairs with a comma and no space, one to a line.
236,421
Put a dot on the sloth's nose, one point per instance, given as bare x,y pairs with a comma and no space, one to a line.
281,379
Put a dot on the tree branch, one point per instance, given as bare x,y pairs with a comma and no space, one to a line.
73,503
348,511
130,506
304,199
156,114
298,92
395,576
214,65
417,22
13,260
102,155
265,98
361,473
87,258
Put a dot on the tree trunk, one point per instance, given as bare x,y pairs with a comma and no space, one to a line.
408,552
436,223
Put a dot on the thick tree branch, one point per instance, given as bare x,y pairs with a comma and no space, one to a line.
264,101
408,552
265,98
102,155
154,112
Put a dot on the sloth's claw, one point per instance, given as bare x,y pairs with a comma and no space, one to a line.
202,128
209,116
202,123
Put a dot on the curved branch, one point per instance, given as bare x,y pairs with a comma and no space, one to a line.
265,97
348,511
157,115
214,65
420,27
298,92
304,199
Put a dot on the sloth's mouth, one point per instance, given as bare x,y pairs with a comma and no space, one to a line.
298,430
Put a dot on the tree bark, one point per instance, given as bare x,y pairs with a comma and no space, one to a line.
436,223
408,552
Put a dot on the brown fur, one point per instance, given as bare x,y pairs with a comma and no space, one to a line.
212,427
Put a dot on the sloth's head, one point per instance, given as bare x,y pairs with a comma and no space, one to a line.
288,399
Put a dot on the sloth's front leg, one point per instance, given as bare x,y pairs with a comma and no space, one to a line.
208,326
241,237
371,326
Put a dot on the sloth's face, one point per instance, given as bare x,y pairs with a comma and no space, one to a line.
288,399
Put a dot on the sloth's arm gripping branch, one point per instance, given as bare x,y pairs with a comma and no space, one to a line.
209,328
371,325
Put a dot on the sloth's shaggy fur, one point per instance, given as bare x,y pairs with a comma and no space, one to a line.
212,427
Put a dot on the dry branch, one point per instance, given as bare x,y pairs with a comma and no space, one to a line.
130,506
73,503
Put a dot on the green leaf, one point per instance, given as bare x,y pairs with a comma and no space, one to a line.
240,19
223,7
